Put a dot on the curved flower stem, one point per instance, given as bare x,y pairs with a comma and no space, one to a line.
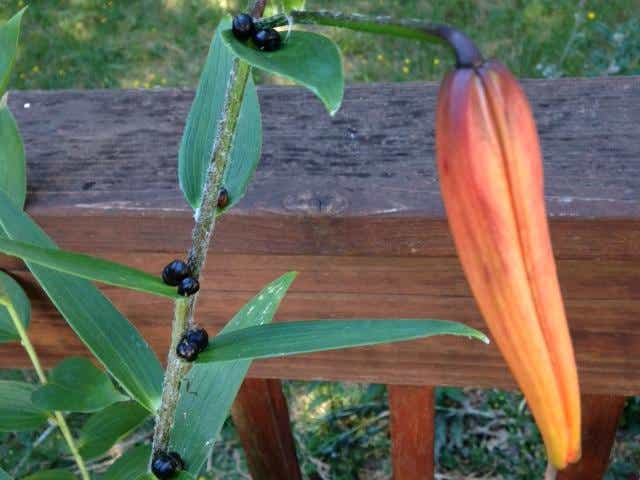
58,417
467,54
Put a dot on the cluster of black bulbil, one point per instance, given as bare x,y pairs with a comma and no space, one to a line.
166,465
192,343
267,39
178,274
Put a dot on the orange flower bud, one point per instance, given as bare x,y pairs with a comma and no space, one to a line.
492,183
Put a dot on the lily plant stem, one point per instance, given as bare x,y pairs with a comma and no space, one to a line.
57,416
205,221
205,217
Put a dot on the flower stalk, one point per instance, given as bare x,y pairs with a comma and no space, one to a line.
466,52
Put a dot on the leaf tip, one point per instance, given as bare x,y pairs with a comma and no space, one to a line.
289,277
483,338
18,16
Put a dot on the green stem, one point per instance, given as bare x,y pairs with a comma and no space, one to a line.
59,418
467,54
201,238
66,433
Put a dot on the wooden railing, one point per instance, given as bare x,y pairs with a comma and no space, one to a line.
352,202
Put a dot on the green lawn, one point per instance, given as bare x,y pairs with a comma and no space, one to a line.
148,43
341,429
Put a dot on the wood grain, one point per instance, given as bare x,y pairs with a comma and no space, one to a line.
412,423
261,417
353,203
600,417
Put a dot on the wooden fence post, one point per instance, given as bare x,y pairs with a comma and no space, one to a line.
261,417
600,416
412,431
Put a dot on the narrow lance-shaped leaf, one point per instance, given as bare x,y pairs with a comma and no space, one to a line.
308,59
109,336
13,170
17,412
9,33
200,130
11,294
280,339
208,390
76,385
4,475
105,428
88,267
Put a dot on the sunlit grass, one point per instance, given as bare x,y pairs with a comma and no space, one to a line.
137,44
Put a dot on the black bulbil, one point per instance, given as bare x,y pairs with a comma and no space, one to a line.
223,198
188,286
268,40
175,272
166,465
199,337
242,27
187,350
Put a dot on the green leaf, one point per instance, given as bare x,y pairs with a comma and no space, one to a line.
17,412
13,169
88,267
109,336
209,389
202,124
11,294
131,465
309,59
280,339
4,475
58,474
76,385
107,427
9,33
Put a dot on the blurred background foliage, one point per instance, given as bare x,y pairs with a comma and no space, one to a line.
341,430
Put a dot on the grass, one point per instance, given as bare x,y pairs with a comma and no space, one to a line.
155,43
340,429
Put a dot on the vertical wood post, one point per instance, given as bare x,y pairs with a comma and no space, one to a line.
600,416
412,411
261,417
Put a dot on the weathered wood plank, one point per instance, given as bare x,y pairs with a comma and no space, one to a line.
412,412
261,417
362,221
606,333
117,149
600,417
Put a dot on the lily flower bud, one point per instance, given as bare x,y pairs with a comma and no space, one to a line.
490,169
